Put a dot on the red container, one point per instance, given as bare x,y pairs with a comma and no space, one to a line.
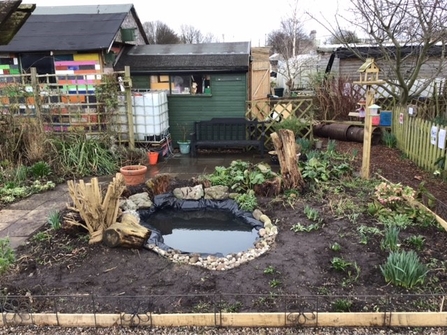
375,120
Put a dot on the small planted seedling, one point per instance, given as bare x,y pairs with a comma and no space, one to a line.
54,220
312,214
416,241
7,255
342,305
299,228
274,283
391,239
335,246
340,264
270,270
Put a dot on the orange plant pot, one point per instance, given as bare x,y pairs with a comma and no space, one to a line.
134,174
152,157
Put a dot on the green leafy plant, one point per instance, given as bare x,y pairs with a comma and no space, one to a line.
335,246
42,236
40,170
331,146
389,139
316,170
364,231
247,201
312,214
241,176
353,275
390,240
270,270
54,220
340,264
402,221
79,157
7,255
305,145
416,241
226,307
274,283
293,123
404,269
342,305
298,228
107,93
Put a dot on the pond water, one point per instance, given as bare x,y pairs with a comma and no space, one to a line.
203,231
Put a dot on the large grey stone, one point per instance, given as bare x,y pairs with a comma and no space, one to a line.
218,192
189,193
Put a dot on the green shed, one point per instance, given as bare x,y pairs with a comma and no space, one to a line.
202,81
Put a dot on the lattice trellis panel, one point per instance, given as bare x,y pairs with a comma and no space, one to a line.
273,111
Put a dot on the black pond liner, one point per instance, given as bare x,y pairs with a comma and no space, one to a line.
169,201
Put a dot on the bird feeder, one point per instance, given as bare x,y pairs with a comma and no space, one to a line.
374,109
369,72
374,113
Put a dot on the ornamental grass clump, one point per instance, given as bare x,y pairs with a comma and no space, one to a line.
404,269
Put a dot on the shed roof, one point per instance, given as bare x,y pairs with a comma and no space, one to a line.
66,28
375,51
168,58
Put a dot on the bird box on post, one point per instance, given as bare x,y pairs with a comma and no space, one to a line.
369,73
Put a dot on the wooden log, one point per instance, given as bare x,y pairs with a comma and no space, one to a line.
128,233
285,147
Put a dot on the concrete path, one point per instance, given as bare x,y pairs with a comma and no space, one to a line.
20,220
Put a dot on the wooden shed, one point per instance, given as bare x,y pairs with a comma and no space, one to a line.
202,80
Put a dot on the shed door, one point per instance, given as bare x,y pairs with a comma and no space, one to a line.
260,82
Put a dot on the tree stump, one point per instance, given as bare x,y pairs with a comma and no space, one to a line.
128,233
285,147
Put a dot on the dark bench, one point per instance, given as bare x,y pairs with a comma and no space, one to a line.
228,133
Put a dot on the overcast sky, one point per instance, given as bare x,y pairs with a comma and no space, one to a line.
229,20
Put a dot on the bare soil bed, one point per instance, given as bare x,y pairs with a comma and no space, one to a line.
296,274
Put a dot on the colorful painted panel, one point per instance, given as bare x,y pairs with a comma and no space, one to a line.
78,73
9,65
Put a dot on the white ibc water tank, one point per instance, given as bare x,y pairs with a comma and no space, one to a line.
150,111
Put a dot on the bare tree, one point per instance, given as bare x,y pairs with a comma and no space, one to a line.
159,33
290,41
191,35
410,36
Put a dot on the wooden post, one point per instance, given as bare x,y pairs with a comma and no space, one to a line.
129,107
36,91
367,134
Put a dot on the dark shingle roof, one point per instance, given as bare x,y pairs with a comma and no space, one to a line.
167,58
64,32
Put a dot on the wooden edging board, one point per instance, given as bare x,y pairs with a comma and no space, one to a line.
370,319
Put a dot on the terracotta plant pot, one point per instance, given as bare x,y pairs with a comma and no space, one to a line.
152,156
134,174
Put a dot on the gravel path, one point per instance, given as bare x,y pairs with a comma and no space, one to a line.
31,330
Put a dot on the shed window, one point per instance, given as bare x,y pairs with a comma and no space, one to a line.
192,83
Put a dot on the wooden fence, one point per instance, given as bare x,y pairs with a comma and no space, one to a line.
424,142
64,105
273,111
